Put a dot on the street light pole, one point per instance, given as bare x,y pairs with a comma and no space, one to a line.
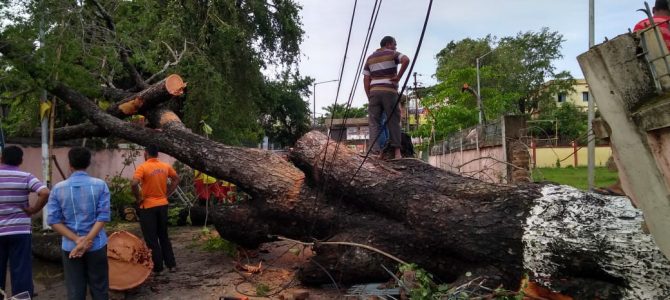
314,94
480,107
591,110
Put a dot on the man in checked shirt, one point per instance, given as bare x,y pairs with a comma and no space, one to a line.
78,209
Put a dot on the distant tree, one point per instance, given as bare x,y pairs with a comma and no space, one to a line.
285,114
219,47
571,122
517,77
340,111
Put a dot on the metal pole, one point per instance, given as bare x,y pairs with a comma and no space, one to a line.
480,105
314,111
314,93
416,104
44,126
407,111
479,97
591,112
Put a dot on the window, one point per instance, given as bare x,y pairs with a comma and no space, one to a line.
560,98
585,96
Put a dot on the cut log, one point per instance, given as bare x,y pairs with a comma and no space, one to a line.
455,227
148,98
138,103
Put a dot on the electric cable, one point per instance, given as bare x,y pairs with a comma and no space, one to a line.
418,48
361,63
323,187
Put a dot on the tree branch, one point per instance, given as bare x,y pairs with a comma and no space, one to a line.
17,94
177,58
124,54
79,131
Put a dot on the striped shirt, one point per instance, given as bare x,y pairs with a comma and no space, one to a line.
662,22
381,66
78,203
15,186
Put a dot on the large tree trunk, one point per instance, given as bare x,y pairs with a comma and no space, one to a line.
455,227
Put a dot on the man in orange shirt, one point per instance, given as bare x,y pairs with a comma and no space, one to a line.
153,206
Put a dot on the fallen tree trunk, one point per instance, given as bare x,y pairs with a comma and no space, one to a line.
455,227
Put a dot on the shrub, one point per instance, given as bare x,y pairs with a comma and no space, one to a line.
121,194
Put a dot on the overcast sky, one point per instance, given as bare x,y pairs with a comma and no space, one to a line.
326,24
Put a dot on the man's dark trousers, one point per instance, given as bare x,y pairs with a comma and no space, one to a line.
17,249
154,222
92,270
381,102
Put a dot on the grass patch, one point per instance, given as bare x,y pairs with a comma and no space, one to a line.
210,241
576,177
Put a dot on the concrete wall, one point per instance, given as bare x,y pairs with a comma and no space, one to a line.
633,97
107,162
485,152
489,169
546,157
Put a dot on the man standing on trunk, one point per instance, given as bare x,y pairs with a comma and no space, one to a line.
153,206
381,77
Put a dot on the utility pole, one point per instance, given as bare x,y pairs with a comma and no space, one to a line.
416,103
591,113
406,112
480,105
314,94
44,126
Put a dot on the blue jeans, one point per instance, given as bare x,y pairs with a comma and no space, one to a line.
90,270
17,250
384,132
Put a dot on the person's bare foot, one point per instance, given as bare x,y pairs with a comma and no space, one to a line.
398,154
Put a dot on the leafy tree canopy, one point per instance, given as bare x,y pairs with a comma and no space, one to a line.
567,121
514,73
340,111
219,46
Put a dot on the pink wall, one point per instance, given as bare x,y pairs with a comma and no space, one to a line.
107,162
489,168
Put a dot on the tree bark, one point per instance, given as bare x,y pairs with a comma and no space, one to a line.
455,227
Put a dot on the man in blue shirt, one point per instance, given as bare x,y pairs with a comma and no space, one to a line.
78,209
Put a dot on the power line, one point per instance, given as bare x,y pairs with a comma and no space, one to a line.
346,51
416,54
339,85
359,67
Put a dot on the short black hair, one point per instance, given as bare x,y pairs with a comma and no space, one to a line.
152,150
80,158
386,40
12,155
661,4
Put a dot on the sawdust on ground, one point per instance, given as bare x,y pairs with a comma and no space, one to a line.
206,274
